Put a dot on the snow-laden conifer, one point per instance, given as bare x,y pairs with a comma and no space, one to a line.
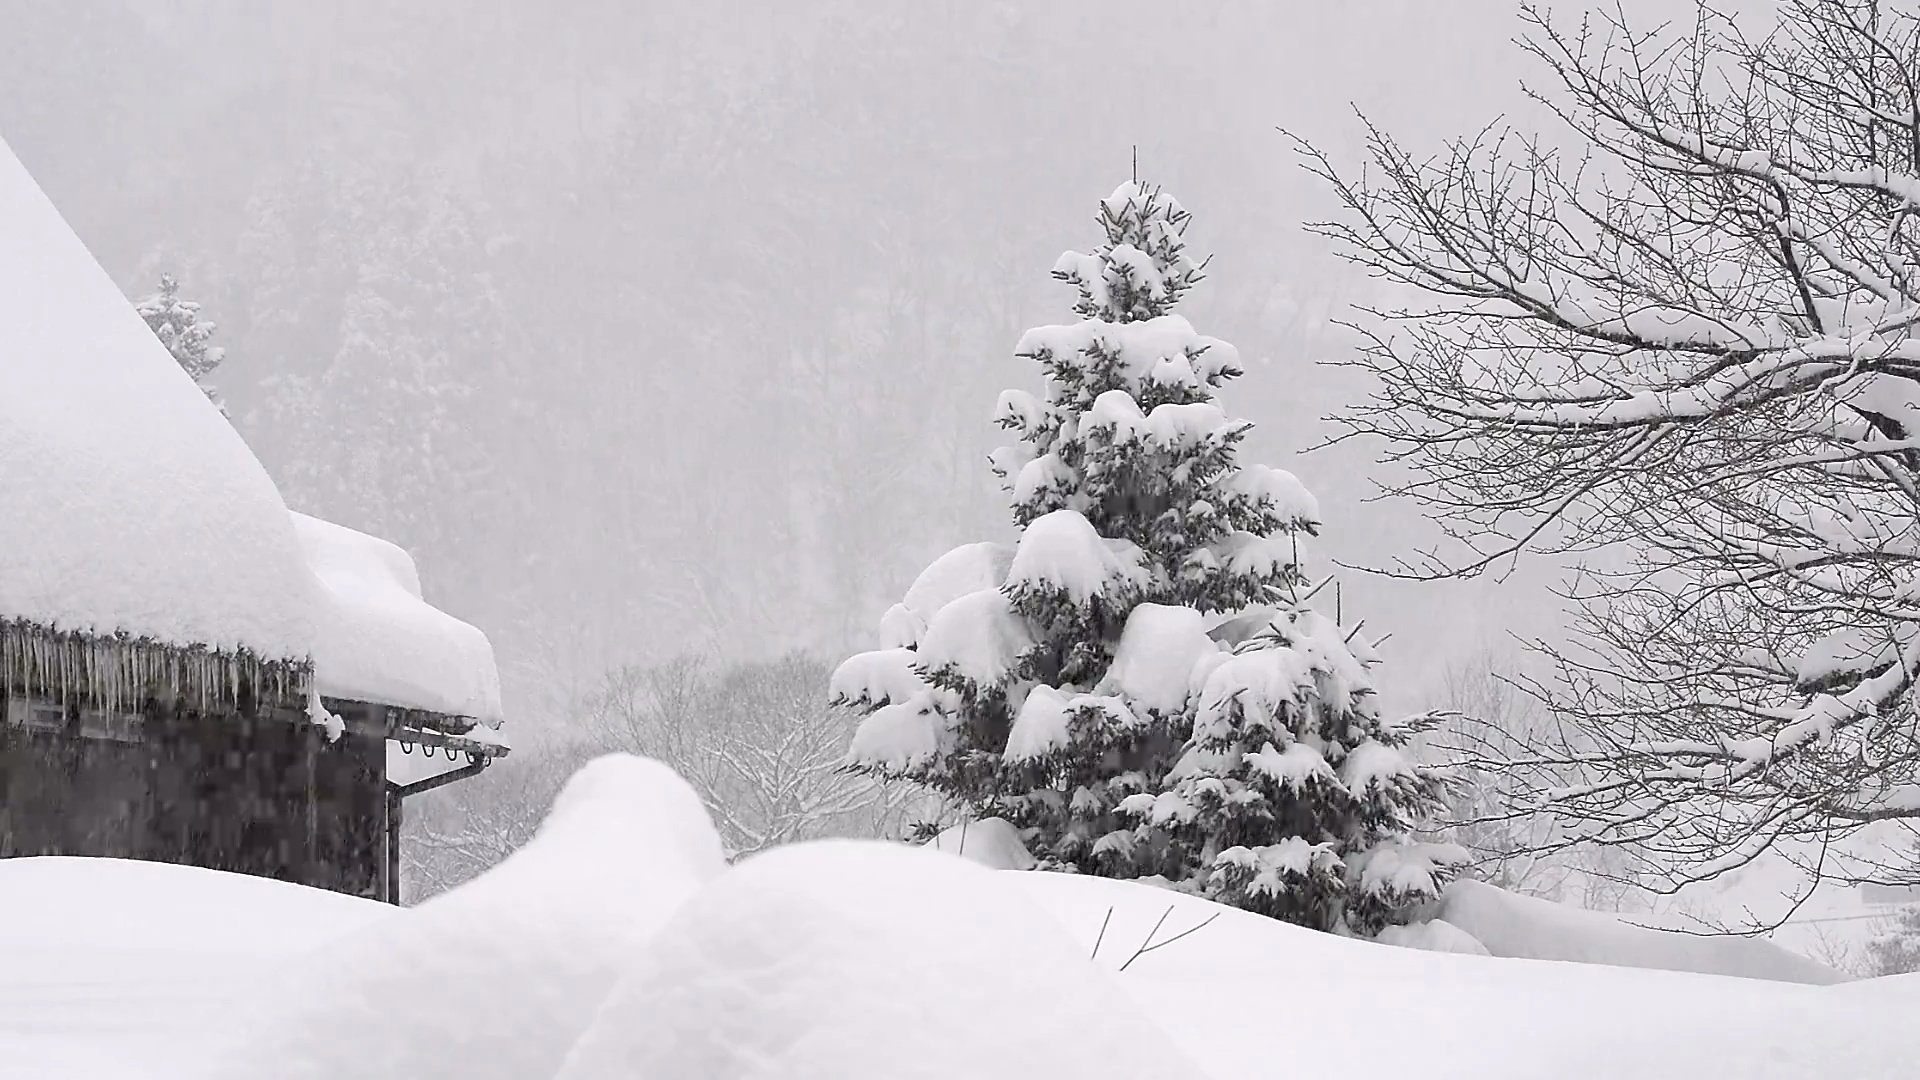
1119,683
1294,796
178,325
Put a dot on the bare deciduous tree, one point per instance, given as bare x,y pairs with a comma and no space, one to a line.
1484,708
1897,950
757,741
1691,345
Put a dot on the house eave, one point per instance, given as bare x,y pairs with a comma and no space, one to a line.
415,727
124,671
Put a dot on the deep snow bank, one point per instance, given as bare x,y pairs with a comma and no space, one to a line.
991,842
1528,927
497,978
849,959
1477,918
110,966
83,905
1247,996
617,945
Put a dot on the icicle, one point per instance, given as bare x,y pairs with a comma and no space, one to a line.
118,673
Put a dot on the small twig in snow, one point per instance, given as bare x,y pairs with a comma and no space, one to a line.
1103,933
1149,944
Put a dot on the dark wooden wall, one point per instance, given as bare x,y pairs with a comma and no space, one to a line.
66,795
267,796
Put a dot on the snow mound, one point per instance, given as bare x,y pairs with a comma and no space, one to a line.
1434,935
378,640
1524,926
991,842
132,506
501,975
618,945
844,959
1885,988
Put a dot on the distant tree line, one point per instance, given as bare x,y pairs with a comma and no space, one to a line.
757,740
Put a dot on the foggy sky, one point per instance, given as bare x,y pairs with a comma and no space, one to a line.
699,311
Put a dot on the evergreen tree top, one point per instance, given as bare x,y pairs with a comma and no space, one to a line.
187,336
1143,269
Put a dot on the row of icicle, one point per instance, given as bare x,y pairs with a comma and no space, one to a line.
122,672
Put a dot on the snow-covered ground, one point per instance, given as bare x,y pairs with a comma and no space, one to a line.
109,966
1523,926
619,944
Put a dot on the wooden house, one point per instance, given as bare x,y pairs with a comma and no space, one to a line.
188,671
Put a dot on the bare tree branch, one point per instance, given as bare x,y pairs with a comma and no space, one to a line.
1685,358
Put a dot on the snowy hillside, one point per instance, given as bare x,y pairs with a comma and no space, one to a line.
619,945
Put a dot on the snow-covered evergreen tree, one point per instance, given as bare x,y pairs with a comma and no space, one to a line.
1139,684
1295,797
178,325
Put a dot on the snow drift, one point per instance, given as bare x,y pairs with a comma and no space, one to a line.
618,945
1248,996
843,959
991,842
496,979
1529,927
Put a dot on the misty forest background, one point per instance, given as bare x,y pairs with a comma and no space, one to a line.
666,336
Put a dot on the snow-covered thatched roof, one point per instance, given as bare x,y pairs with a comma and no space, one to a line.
141,543
378,641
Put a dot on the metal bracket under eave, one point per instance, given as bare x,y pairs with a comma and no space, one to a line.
475,765
428,738
413,727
